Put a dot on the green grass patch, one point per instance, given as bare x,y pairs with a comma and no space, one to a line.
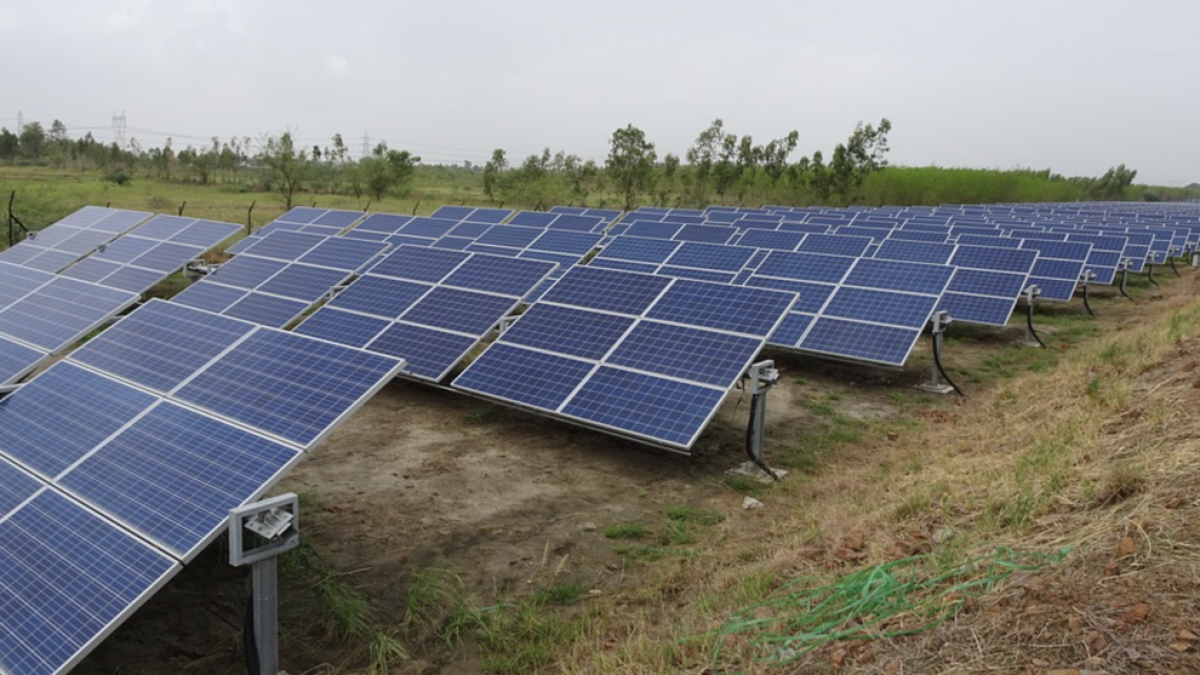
626,531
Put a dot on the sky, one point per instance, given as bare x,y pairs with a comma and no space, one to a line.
1074,86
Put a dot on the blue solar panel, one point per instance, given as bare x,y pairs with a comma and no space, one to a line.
469,230
712,256
453,243
174,461
783,241
999,259
752,311
338,219
428,227
428,353
561,260
344,254
288,246
1054,289
576,243
345,328
1059,249
639,249
84,242
125,249
917,235
697,274
965,308
576,223
506,251
1057,269
510,276
570,331
17,360
91,269
15,486
645,405
897,309
482,215
63,413
791,330
51,261
133,279
304,282
267,310
653,230
712,234
206,233
469,312
210,296
693,354
382,222
987,282
402,239
419,264
900,276
834,244
17,281
161,227
1104,265
524,376
62,311
167,257
246,273
289,385
512,236
301,214
812,294
58,599
453,212
380,296
625,265
533,218
915,251
887,345
161,344
806,266
609,290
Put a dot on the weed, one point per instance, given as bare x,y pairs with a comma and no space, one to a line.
678,533
561,593
626,531
687,514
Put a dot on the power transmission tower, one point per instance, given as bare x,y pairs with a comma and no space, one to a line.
20,121
366,149
118,122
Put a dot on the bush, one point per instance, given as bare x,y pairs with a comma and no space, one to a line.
120,177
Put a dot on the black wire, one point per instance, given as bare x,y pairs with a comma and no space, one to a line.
249,641
1029,322
937,360
756,409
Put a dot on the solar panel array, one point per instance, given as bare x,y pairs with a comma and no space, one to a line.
305,220
57,246
151,252
651,357
280,276
121,463
429,306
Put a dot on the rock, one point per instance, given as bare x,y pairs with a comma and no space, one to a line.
892,667
1181,646
893,436
1189,366
838,658
1186,635
1096,642
943,535
589,527
1126,548
749,502
1074,622
1137,613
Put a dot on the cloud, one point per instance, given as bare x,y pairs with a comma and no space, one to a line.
337,65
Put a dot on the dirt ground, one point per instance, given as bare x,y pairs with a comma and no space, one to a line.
424,477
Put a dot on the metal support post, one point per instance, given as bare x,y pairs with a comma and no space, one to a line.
938,324
1086,278
1031,336
1150,272
275,521
1171,259
1124,278
763,376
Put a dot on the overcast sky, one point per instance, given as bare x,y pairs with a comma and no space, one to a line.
1070,85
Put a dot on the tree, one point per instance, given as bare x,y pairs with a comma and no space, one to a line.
33,141
386,170
631,163
666,181
492,172
288,167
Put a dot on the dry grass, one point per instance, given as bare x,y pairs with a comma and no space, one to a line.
1100,448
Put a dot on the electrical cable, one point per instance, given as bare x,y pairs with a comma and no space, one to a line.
937,361
1029,323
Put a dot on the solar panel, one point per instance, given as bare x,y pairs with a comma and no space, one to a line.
712,257
610,290
703,356
347,328
304,282
652,229
380,296
349,255
209,296
805,266
419,264
625,265
161,344
772,239
915,251
63,413
533,219
899,276
834,244
18,360
712,234
470,312
60,600
289,385
508,276
428,227
876,306
567,330
524,376
267,310
872,343
60,312
381,222
578,244
639,249
428,353
750,311
512,236
286,246
174,474
246,272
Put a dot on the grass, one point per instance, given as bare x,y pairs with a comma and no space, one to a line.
626,531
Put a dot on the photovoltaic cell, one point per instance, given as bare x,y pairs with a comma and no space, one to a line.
806,266
772,239
703,356
288,385
512,236
267,310
304,282
17,360
524,376
174,461
986,310
791,329
380,296
639,249
888,345
915,251
57,598
246,272
469,312
428,353
63,413
347,328
567,330
711,234
510,276
60,312
286,246
578,244
209,296
646,405
349,255
834,244
419,264
876,306
712,257
899,276
608,290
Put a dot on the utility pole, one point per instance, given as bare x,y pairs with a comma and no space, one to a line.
366,149
118,122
